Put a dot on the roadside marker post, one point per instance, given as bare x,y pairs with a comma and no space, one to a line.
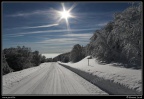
88,59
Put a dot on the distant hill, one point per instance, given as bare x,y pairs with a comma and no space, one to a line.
62,57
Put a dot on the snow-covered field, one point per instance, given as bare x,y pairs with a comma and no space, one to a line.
129,78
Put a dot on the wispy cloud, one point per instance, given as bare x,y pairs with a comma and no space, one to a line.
58,40
77,35
25,14
13,35
61,45
63,42
80,36
102,24
41,26
50,31
16,35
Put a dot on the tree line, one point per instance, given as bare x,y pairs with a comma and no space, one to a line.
19,58
75,55
120,40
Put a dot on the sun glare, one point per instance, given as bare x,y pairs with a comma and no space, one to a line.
65,14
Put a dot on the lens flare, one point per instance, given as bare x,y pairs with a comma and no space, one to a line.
65,14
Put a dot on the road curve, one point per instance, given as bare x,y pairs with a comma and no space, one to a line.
53,79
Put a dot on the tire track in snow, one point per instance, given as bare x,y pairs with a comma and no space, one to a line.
51,79
34,76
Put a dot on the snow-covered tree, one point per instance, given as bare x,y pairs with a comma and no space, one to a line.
120,40
77,53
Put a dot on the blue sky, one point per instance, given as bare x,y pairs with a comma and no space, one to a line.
35,24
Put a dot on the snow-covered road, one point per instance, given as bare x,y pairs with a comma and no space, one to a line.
49,78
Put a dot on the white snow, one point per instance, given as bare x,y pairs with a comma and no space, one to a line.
130,78
13,77
33,80
48,78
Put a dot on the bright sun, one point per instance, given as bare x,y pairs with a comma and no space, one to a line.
65,14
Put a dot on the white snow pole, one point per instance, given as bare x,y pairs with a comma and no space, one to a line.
88,60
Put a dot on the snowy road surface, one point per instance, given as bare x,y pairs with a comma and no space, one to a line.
50,78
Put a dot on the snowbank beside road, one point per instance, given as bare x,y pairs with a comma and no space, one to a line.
9,79
130,78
